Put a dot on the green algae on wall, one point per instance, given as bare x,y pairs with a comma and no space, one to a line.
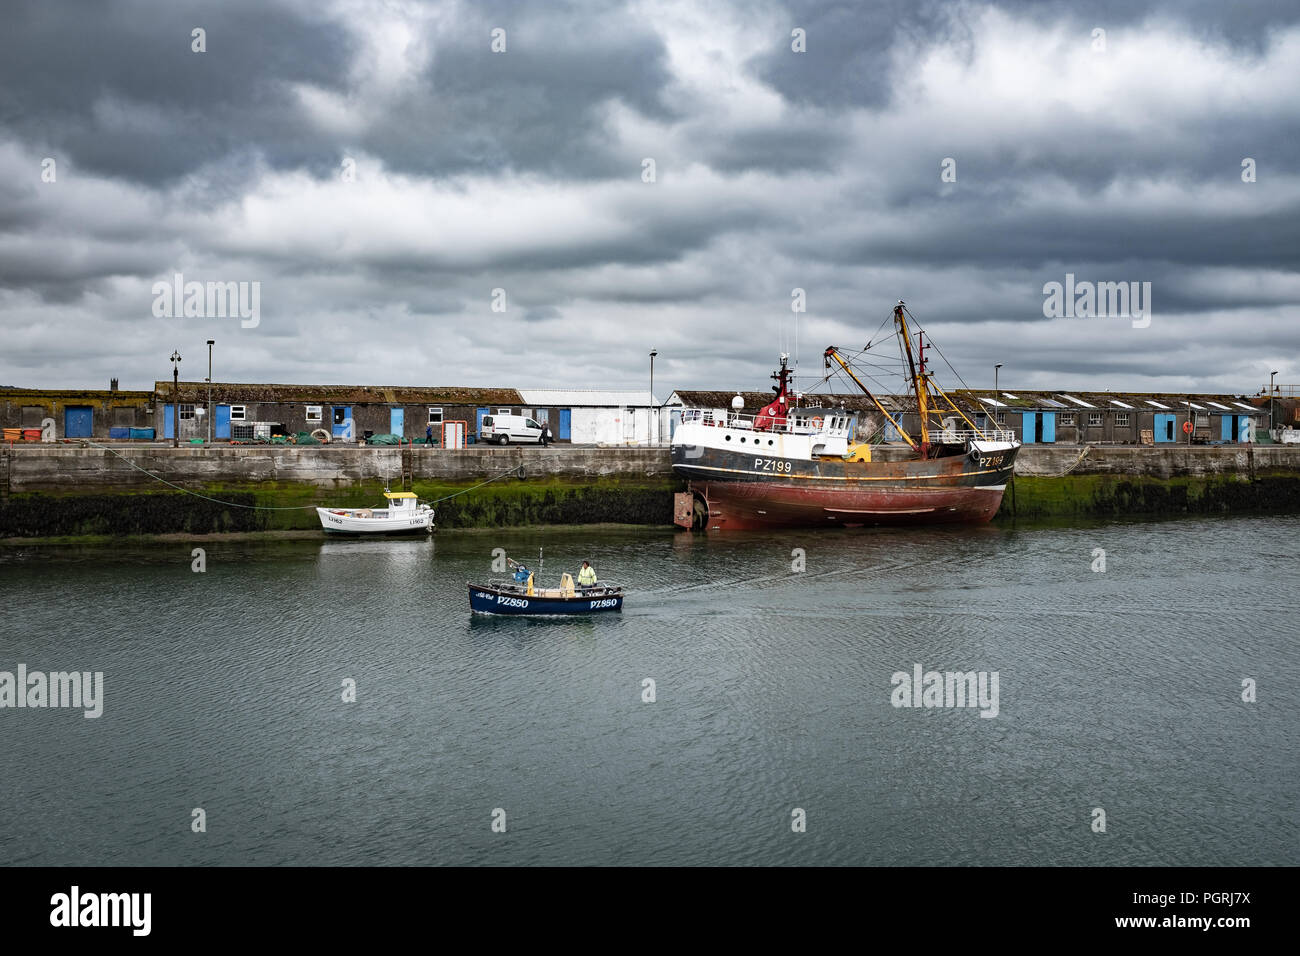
1104,496
284,506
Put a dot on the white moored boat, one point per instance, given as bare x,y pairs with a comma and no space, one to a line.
405,513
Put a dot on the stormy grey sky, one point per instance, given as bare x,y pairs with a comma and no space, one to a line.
523,170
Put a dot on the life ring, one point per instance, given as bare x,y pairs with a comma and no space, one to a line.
1188,427
816,422
321,435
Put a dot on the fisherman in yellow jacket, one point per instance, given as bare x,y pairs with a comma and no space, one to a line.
587,576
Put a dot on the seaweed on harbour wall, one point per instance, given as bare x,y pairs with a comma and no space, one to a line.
41,515
1105,496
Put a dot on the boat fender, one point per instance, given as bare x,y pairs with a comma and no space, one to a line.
532,592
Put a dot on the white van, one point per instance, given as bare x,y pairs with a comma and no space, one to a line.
503,429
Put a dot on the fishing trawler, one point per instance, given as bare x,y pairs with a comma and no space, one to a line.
791,466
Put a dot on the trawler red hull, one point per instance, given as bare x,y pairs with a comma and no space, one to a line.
736,490
741,505
797,467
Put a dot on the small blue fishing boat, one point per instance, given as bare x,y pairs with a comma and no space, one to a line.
514,599
521,596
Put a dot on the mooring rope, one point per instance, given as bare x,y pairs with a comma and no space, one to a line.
1083,454
514,469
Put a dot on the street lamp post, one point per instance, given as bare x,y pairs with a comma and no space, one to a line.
654,424
176,399
210,344
997,396
1272,390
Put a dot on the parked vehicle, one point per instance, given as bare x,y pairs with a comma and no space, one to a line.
503,429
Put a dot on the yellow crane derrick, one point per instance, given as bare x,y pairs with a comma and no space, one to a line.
833,353
930,397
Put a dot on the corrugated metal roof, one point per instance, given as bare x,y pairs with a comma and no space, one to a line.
854,402
1163,401
586,397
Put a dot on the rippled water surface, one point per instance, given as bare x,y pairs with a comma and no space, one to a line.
1119,690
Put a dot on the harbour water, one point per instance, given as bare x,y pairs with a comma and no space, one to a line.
1118,689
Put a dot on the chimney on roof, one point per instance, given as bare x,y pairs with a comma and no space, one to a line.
112,385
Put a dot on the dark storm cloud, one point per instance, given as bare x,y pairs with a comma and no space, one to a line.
117,89
849,44
523,171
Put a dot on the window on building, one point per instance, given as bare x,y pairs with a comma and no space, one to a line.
123,415
314,413
32,415
1121,419
503,411
1002,418
1067,418
237,413
340,416
1094,418
435,416
187,412
1202,419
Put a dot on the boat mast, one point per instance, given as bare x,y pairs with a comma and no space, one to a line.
833,353
918,383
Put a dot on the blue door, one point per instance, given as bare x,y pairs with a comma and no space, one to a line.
77,421
478,427
169,421
1028,428
566,423
1047,421
1164,428
397,421
891,429
342,422
1226,433
221,423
